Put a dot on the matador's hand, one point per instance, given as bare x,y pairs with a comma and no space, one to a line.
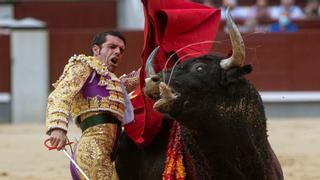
58,138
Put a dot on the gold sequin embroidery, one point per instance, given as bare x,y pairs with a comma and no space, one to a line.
94,150
65,102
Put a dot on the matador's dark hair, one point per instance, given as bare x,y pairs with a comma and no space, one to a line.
100,38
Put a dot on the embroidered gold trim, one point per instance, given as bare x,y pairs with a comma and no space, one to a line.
66,89
92,62
56,124
67,103
130,82
114,104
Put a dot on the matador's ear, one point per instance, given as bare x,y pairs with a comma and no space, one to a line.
95,50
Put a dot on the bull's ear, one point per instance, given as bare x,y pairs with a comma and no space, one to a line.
235,74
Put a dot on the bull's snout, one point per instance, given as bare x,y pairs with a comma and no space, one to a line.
161,92
167,99
155,78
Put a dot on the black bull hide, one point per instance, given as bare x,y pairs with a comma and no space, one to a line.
223,126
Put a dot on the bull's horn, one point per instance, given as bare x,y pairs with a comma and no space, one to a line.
238,49
149,64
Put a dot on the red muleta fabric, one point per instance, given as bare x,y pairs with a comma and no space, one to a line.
170,24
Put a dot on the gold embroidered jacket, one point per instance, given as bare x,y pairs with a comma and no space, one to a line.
68,102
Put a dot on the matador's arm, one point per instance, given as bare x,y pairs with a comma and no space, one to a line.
59,101
131,80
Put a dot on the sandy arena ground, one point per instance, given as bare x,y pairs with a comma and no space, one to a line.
23,156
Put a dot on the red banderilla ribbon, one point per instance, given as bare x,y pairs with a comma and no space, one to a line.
67,154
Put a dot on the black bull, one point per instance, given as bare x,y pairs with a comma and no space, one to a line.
221,117
220,111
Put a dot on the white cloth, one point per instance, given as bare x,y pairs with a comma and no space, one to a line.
128,111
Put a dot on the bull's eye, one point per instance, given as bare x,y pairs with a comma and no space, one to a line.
198,67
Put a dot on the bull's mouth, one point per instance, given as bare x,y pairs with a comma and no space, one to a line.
164,96
167,99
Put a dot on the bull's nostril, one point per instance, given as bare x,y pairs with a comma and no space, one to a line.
155,78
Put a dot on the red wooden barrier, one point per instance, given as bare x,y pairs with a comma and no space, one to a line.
4,63
281,61
80,14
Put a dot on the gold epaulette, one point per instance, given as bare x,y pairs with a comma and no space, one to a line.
91,61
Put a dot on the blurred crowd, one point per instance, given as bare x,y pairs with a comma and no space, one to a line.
283,14
256,15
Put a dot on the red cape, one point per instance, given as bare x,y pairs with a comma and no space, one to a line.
170,24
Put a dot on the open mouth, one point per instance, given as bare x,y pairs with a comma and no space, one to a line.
159,91
114,60
167,99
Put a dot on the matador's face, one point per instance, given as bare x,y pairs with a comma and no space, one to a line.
110,52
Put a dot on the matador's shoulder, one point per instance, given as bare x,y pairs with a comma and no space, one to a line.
81,65
90,61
